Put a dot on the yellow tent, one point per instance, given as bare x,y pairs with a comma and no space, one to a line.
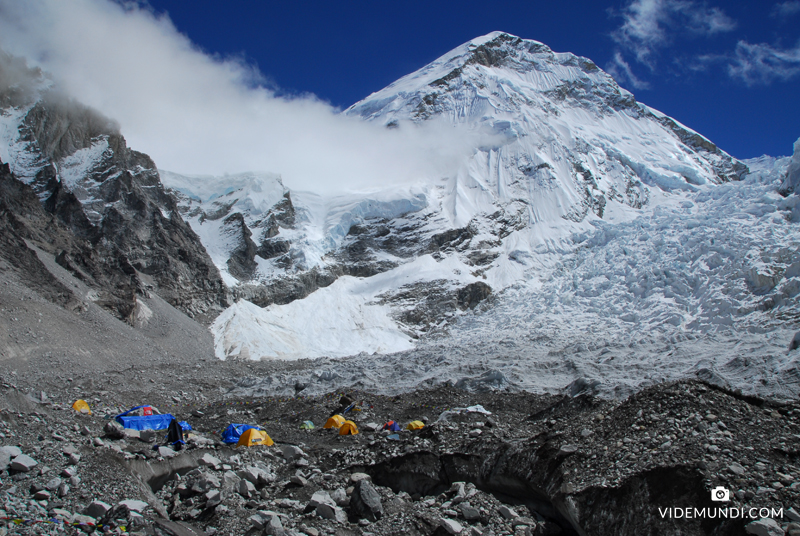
82,407
348,427
251,437
335,422
415,425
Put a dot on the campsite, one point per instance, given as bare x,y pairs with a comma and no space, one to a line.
483,463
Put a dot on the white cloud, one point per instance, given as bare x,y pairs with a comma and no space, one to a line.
621,71
762,64
650,25
198,114
785,9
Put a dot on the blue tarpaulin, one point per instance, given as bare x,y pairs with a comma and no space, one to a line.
148,422
233,432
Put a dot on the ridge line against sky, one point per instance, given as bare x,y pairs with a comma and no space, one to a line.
728,71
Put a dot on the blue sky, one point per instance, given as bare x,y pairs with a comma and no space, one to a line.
729,70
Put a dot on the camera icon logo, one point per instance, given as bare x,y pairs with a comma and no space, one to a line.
720,494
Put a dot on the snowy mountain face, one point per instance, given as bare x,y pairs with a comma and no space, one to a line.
567,150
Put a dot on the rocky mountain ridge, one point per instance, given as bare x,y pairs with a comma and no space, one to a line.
118,229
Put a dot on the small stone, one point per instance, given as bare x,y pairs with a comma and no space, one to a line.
566,450
298,480
792,514
97,442
736,469
43,495
507,512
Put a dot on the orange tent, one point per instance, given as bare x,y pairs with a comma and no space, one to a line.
251,437
81,407
348,428
415,425
335,422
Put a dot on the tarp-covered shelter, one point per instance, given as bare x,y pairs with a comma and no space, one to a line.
306,425
148,422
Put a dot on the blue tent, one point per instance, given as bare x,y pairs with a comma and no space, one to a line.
148,422
233,432
392,426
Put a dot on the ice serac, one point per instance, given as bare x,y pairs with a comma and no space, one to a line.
121,232
792,182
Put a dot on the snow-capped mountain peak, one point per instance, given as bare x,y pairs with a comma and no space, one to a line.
562,147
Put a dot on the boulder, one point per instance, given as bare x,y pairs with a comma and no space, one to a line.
97,509
166,452
114,430
213,498
246,488
292,452
324,506
507,512
269,522
451,526
766,526
134,505
23,463
148,436
365,502
209,461
6,454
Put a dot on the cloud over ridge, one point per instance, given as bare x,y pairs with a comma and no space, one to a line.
199,114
